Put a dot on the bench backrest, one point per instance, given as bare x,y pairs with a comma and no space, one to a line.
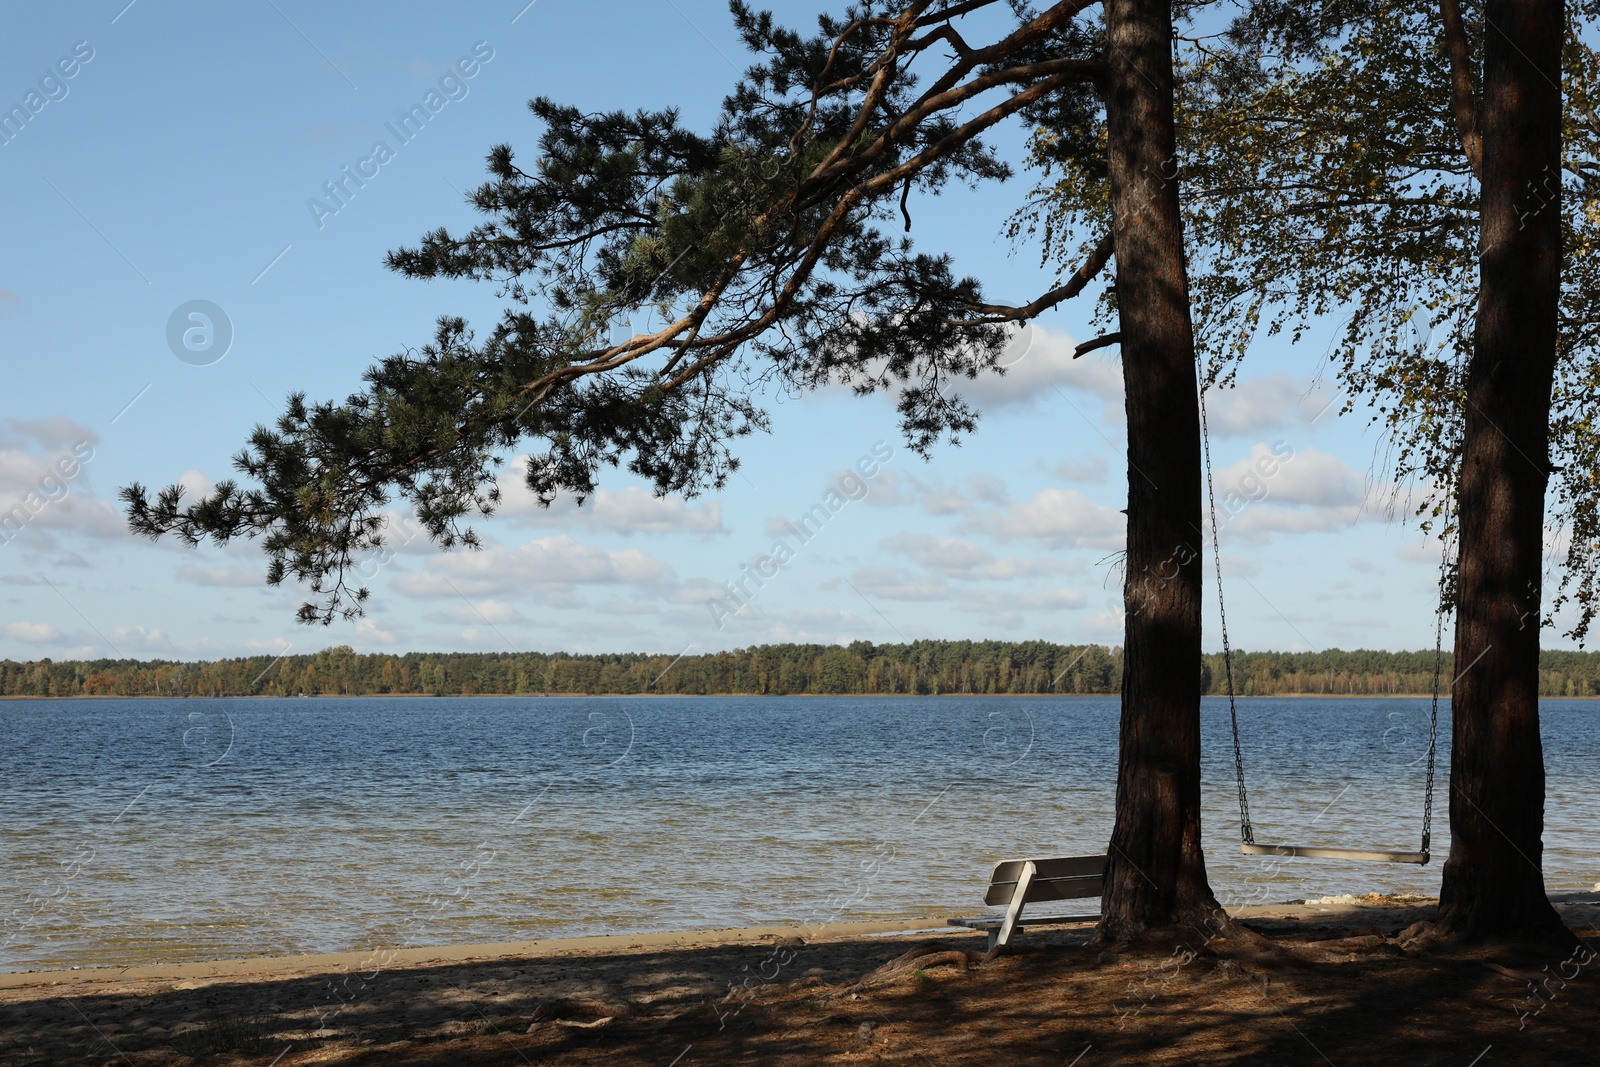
1063,878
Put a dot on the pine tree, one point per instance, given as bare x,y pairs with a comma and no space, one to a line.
763,251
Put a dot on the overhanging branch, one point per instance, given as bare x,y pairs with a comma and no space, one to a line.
1103,341
1075,285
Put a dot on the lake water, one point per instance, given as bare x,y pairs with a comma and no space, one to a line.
151,830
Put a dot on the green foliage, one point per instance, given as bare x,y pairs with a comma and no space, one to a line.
919,668
1325,182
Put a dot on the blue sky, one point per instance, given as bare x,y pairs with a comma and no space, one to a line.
180,162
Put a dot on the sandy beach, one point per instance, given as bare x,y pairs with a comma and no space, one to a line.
1349,987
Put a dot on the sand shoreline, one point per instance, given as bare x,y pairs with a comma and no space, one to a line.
907,991
425,955
1582,906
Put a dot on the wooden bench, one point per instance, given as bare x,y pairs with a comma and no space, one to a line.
1017,883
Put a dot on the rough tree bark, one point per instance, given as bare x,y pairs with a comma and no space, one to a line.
1493,882
1155,874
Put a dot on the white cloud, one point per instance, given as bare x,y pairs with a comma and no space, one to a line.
1257,523
1106,626
882,488
696,591
890,489
403,535
225,577
1008,567
496,611
20,472
369,631
1036,364
84,515
989,488
946,555
34,633
46,487
999,602
547,568
956,558
629,510
54,433
632,510
195,484
482,612
833,626
904,489
1269,402
44,473
1058,518
1276,490
894,583
609,608
942,501
1305,476
139,639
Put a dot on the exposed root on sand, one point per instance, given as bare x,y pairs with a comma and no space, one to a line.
922,957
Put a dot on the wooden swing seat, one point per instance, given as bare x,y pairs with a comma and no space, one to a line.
1305,852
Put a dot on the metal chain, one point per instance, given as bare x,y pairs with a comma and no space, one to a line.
1438,674
1247,832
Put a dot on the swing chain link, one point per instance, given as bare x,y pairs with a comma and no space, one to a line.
1247,832
1438,674
1433,731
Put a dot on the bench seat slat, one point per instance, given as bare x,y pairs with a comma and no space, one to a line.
1060,867
1073,888
993,922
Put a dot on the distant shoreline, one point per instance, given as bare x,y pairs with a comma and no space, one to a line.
860,669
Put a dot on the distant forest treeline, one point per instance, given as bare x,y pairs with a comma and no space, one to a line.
922,667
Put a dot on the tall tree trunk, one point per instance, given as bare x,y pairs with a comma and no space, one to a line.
1493,882
1155,875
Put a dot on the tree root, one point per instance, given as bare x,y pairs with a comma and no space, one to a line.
565,1011
921,957
1203,930
1535,939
